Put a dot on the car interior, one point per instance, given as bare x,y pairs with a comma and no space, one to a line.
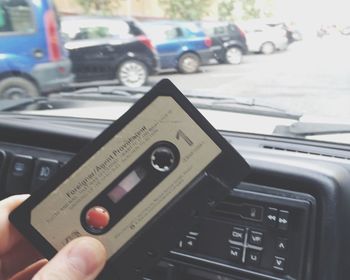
287,220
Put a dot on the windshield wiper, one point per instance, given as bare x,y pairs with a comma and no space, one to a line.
247,106
7,105
105,93
201,101
303,129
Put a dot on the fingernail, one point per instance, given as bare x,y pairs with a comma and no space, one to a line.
86,255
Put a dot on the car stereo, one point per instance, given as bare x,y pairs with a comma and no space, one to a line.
256,233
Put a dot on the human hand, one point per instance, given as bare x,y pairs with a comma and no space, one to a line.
83,258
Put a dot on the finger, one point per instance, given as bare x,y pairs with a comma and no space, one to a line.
81,259
21,255
9,236
30,271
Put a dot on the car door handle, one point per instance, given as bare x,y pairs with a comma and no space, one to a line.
38,53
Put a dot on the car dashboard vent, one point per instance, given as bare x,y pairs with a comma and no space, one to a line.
343,156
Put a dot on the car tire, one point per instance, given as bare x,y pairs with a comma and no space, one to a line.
189,63
17,87
132,73
234,55
268,48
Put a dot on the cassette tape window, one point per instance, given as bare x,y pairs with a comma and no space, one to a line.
126,185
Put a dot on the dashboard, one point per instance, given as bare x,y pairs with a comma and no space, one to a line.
289,220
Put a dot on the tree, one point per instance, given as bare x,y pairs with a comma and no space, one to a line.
269,6
225,9
101,6
186,9
250,9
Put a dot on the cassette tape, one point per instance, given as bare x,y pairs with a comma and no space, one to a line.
137,186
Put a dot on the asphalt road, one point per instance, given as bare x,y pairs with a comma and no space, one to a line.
311,77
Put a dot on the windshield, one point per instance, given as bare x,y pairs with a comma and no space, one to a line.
250,65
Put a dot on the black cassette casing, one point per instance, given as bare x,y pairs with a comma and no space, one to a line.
159,235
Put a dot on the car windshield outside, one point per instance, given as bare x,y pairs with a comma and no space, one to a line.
277,64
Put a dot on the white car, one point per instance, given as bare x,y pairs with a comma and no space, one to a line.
263,38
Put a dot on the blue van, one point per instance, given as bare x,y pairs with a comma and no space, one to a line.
180,45
32,58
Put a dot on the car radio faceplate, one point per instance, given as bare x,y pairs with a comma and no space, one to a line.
259,235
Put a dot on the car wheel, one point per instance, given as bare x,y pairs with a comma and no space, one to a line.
234,55
189,63
268,48
17,87
132,73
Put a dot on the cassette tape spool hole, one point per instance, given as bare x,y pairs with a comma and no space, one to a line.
97,218
163,159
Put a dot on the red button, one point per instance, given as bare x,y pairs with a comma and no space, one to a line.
97,218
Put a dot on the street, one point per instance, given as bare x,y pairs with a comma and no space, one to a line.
311,77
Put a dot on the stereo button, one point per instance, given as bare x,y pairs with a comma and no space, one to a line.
271,216
20,175
256,238
236,253
283,220
282,244
188,243
238,234
253,257
279,264
43,171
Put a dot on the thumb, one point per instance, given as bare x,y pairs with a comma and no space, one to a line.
83,258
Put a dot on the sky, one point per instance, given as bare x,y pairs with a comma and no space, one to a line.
314,11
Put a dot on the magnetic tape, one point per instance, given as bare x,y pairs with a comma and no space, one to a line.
137,186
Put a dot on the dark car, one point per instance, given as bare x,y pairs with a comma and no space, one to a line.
229,42
32,58
180,45
108,49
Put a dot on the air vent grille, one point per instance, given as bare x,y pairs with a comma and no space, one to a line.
300,151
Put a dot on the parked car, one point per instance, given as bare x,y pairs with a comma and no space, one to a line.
180,45
345,30
109,48
263,38
229,42
292,33
32,58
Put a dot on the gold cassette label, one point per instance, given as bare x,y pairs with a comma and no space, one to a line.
57,217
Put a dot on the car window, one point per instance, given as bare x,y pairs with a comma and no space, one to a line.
162,33
16,17
90,29
231,28
173,33
220,30
93,33
191,30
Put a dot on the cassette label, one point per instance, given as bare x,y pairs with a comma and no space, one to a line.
58,216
